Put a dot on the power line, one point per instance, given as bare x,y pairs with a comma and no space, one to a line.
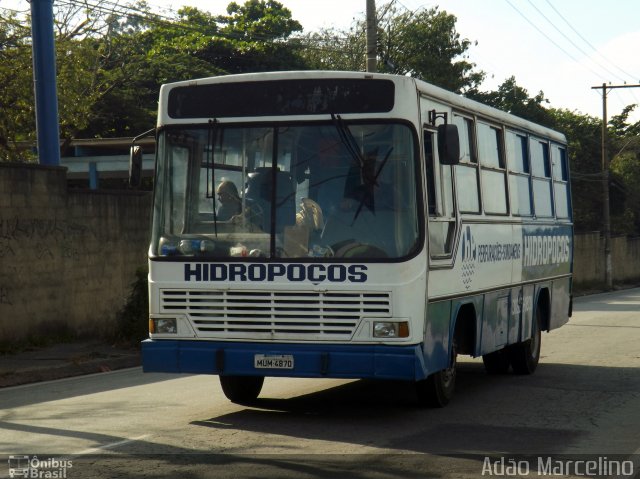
589,43
549,38
628,75
556,44
571,41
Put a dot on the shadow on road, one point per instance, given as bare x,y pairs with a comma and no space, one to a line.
554,412
513,414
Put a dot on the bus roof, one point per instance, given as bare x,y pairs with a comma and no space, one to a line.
456,101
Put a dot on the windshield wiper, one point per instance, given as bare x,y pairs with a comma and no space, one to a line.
351,144
368,174
370,193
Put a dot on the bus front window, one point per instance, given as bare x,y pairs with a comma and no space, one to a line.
324,190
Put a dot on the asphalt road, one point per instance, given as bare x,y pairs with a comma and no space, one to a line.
583,403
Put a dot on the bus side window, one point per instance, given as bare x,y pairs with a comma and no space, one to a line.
490,151
467,170
541,178
561,181
519,174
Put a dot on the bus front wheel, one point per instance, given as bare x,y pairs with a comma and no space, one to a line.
241,389
438,388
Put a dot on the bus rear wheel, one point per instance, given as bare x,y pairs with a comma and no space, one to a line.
241,389
525,356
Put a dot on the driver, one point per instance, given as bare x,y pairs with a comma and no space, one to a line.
230,203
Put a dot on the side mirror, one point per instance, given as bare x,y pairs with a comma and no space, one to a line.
135,160
448,144
135,166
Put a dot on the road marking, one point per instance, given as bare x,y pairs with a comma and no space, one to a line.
112,445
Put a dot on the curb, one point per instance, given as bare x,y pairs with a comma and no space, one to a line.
17,378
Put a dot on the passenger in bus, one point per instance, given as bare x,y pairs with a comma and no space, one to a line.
230,203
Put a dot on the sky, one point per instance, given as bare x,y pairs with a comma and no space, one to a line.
560,47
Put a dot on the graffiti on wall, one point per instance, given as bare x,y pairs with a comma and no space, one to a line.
46,238
37,245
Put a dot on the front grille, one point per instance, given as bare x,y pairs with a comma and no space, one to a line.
329,316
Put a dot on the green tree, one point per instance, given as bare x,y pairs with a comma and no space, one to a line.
514,99
426,45
136,57
423,44
17,121
254,37
259,20
334,49
110,68
90,65
625,170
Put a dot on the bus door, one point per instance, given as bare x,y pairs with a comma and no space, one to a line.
441,205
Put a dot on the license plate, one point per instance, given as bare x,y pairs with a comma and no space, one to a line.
265,361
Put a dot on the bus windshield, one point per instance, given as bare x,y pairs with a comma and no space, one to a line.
324,190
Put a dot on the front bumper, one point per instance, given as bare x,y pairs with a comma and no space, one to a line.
310,360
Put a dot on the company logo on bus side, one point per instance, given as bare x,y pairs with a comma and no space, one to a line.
335,273
540,250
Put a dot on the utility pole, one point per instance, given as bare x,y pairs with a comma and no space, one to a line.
44,80
606,211
372,37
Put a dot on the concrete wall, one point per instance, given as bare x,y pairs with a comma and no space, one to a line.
67,258
588,265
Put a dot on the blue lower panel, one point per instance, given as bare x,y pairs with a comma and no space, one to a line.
310,360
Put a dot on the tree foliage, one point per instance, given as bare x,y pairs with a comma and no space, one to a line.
110,67
17,122
625,169
258,21
423,44
514,99
426,45
334,49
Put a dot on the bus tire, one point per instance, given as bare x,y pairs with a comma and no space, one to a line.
241,389
497,362
437,389
524,356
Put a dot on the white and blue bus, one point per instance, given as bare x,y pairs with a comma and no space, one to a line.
352,225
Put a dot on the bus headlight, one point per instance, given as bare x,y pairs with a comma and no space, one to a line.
163,326
390,329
